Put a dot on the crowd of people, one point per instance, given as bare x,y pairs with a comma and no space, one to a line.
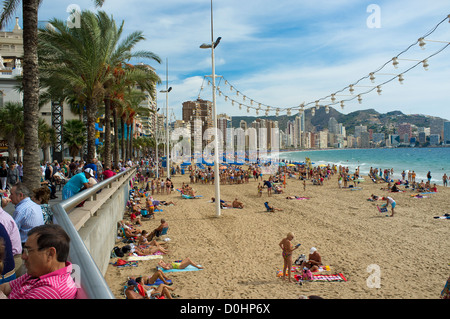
29,231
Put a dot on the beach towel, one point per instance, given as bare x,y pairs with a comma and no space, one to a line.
188,268
148,257
159,282
323,278
445,216
301,198
120,263
329,278
190,196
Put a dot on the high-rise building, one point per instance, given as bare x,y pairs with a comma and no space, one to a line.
446,139
333,126
223,123
200,110
405,132
359,129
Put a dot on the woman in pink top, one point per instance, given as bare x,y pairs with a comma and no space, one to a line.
45,256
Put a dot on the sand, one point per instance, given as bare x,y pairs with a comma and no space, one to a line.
240,254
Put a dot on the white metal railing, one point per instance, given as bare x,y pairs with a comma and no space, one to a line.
91,281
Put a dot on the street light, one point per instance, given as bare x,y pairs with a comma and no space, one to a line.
167,90
212,46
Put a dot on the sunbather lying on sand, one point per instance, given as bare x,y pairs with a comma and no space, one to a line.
146,280
178,264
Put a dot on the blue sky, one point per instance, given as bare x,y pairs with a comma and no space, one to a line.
282,53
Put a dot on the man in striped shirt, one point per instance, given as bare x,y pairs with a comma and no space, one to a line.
27,214
45,256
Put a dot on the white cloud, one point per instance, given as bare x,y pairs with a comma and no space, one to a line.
285,52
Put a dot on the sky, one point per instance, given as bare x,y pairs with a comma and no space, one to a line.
287,52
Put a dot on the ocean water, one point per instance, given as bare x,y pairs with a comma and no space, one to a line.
420,160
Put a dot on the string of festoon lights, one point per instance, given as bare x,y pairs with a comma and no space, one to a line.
251,104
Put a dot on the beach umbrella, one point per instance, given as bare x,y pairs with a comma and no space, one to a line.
290,164
322,165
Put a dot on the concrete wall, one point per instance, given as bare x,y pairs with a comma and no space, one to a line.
99,231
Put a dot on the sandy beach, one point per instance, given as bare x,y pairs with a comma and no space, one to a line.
240,254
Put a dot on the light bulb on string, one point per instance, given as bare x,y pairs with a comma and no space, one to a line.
425,64
422,43
395,62
288,112
243,97
359,99
327,109
226,98
248,110
267,112
257,112
333,98
379,90
351,89
240,106
400,79
372,77
313,112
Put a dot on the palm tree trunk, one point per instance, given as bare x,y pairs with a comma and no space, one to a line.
30,82
91,110
116,138
107,154
122,141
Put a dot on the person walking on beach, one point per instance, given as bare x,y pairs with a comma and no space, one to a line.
444,179
287,247
429,176
390,200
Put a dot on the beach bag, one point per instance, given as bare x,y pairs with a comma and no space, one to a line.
300,259
118,252
307,274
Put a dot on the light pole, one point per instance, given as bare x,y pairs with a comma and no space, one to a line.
158,133
213,45
167,90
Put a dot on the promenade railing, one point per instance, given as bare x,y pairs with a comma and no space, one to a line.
92,284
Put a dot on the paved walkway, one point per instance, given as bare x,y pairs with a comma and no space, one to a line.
10,207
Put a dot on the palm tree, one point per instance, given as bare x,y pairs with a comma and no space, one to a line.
74,136
83,59
124,77
47,137
32,172
11,123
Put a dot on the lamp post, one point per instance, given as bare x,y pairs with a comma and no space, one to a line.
157,134
167,90
212,46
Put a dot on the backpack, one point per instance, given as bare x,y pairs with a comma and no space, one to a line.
307,274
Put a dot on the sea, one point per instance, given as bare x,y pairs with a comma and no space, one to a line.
420,160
